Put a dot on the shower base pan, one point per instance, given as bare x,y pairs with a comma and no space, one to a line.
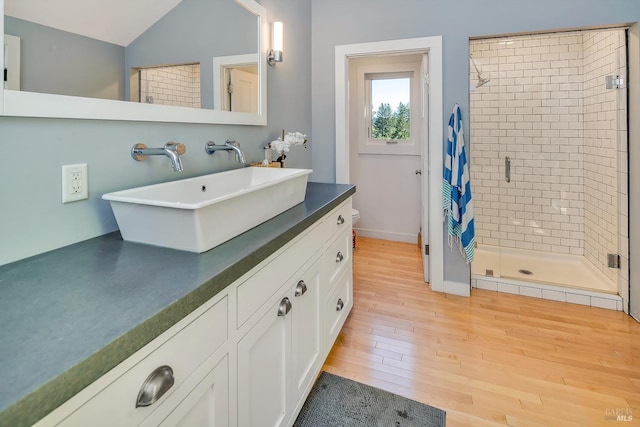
566,278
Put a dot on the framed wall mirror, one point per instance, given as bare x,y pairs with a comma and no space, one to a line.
149,60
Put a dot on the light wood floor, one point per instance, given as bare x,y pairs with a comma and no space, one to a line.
492,359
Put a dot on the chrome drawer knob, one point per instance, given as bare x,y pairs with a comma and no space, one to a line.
340,220
339,257
340,305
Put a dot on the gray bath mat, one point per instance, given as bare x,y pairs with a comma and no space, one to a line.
338,402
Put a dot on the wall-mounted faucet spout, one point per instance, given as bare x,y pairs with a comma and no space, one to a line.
173,150
229,145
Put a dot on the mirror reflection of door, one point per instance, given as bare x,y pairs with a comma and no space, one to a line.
242,89
12,62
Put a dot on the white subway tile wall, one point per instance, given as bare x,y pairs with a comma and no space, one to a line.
547,108
177,85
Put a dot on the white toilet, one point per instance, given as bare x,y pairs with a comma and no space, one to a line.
355,216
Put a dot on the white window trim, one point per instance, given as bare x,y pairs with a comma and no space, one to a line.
367,145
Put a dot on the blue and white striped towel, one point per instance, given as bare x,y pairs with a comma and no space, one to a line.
456,189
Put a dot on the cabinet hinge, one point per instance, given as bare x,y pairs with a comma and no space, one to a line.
426,249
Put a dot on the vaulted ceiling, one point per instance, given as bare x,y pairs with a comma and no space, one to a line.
114,21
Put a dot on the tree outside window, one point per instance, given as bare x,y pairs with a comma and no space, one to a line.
388,122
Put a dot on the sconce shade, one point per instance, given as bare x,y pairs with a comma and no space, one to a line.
275,53
277,36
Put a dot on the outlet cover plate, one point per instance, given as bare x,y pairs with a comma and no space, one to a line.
75,183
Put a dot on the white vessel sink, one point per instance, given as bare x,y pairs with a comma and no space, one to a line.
198,214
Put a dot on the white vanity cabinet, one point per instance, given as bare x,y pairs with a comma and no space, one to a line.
278,357
338,270
284,344
247,357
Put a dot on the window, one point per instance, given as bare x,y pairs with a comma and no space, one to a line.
390,114
390,105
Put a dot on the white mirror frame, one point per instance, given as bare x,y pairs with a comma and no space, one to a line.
32,104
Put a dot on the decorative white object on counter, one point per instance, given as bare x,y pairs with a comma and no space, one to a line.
198,214
284,143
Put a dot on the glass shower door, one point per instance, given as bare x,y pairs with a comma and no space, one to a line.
540,148
558,157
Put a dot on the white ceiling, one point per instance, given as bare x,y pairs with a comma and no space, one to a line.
114,21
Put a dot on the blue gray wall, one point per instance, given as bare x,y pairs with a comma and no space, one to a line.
196,31
32,218
336,22
55,61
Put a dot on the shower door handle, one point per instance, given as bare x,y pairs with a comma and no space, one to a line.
507,168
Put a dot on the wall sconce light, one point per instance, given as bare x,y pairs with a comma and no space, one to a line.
275,53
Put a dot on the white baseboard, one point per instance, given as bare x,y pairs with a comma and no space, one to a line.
387,235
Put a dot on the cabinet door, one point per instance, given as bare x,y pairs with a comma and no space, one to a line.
337,307
305,331
338,256
262,370
207,405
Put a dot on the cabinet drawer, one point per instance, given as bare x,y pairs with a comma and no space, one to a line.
184,352
338,256
257,289
337,307
206,404
338,220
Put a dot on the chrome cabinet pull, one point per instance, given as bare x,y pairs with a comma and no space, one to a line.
507,168
301,288
155,386
340,305
285,307
339,257
340,220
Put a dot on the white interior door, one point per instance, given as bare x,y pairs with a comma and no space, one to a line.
12,61
244,92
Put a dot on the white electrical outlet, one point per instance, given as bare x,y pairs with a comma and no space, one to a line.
75,183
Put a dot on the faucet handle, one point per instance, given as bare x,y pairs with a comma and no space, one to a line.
232,142
178,147
209,147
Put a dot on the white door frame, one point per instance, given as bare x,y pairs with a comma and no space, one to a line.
433,141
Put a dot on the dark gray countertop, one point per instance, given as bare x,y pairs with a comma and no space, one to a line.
70,315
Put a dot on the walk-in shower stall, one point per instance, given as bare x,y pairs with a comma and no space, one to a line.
548,145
